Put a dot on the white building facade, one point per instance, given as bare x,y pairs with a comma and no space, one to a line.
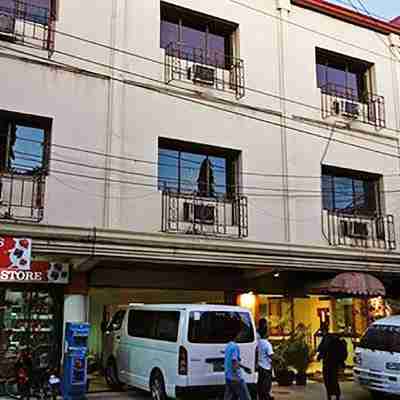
151,146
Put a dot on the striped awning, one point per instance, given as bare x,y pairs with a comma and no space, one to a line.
351,284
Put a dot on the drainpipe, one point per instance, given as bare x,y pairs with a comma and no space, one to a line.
283,7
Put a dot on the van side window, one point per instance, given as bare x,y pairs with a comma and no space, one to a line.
158,325
168,326
141,324
116,321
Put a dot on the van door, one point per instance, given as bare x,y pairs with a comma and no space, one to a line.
208,334
112,336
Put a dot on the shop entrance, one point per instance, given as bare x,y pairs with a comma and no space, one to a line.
30,321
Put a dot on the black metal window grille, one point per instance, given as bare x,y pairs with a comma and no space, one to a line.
24,161
30,22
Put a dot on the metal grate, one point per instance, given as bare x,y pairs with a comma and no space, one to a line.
345,103
24,22
214,216
22,197
359,231
205,67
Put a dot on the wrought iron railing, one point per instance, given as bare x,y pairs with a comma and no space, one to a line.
205,67
25,22
214,216
346,103
22,196
369,231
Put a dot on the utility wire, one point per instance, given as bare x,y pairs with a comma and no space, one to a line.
204,104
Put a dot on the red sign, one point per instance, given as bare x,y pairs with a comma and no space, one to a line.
15,253
16,264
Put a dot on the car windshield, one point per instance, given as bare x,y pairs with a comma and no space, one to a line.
217,327
382,338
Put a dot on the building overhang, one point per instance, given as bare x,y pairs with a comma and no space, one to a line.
347,15
92,246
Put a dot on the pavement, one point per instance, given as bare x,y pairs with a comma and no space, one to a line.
313,391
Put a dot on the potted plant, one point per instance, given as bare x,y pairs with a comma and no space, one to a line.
284,376
298,353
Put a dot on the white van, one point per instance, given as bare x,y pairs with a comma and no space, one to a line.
377,358
174,350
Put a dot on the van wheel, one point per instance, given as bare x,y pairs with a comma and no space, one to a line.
111,375
157,386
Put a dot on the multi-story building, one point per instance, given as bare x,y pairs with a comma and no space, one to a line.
192,151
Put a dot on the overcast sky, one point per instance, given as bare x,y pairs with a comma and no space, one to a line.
385,8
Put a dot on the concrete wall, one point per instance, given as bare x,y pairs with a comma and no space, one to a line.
109,117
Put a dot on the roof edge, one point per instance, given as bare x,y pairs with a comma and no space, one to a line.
348,15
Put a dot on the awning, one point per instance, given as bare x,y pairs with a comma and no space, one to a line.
351,284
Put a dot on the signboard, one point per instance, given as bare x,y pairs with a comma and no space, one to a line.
16,264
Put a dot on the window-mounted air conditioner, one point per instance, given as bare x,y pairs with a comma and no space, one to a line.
354,229
199,213
346,108
7,25
202,74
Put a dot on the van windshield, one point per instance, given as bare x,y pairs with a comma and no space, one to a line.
381,337
220,327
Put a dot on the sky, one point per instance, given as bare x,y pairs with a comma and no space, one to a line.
384,8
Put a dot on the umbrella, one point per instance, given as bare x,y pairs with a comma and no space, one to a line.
205,181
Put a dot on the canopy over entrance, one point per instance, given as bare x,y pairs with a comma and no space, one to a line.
351,284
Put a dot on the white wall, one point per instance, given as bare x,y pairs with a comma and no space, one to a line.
96,114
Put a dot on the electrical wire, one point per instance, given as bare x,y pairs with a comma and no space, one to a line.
187,99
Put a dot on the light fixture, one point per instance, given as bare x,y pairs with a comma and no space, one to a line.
277,274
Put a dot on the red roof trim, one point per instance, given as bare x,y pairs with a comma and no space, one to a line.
347,15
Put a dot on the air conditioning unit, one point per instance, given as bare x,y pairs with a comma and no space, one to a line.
7,25
199,213
201,74
346,108
354,229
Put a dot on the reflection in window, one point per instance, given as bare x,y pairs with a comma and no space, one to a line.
343,76
203,39
349,191
32,10
23,143
207,171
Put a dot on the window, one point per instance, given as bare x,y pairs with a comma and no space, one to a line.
203,38
350,191
343,76
116,321
193,168
37,11
381,338
219,326
158,325
23,143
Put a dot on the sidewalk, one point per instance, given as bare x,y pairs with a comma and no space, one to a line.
313,391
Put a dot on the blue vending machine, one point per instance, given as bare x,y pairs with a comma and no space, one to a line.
75,360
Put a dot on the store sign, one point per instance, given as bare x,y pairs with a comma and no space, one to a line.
16,264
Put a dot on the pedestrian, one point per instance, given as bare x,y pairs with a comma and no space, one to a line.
262,323
333,353
265,352
235,385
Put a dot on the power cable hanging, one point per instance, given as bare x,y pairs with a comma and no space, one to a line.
187,99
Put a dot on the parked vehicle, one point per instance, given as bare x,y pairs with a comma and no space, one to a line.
174,350
377,358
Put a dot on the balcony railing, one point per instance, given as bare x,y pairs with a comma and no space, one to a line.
25,22
345,103
341,229
204,67
22,197
212,216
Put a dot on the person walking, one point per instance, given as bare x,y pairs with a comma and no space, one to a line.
265,352
235,385
333,353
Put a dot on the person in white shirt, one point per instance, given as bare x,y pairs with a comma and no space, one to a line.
265,353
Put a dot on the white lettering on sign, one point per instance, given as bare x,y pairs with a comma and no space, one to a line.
20,276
